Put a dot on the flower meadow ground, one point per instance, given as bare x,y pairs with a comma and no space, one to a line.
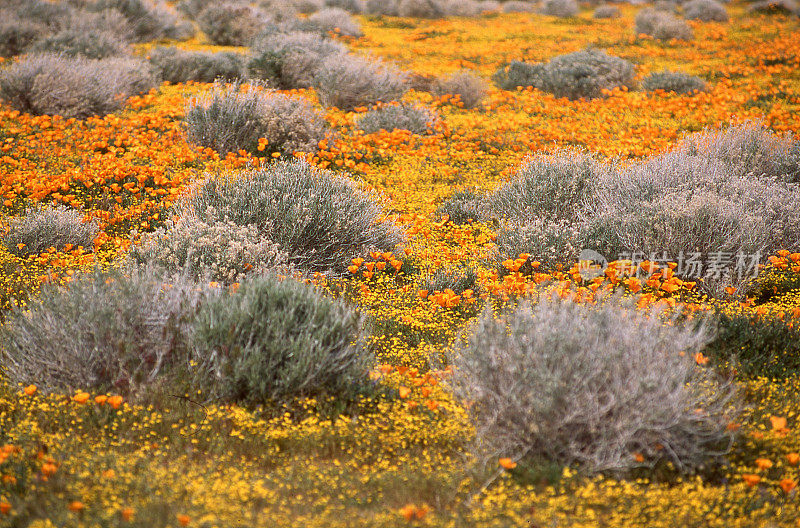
406,450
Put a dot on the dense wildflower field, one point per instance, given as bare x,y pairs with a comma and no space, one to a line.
410,439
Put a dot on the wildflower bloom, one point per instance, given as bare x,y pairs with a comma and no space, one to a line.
115,401
30,390
763,463
81,397
507,463
787,485
700,359
76,506
126,513
5,507
750,479
793,458
183,519
779,425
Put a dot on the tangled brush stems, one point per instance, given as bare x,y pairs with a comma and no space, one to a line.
592,385
320,219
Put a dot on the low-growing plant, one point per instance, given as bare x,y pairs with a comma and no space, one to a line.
175,65
90,44
457,279
775,7
229,24
104,331
582,74
229,119
470,89
540,210
291,60
750,149
585,74
552,186
677,82
307,7
560,8
705,11
320,219
51,14
464,8
551,242
517,74
607,11
347,82
57,227
221,251
662,25
683,204
335,20
415,118
420,9
464,206
273,341
755,345
515,6
108,20
604,387
73,87
148,20
380,8
17,35
351,6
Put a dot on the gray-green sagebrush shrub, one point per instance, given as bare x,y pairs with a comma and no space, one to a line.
582,74
585,74
463,207
662,25
175,65
308,6
229,119
230,24
705,11
518,74
104,331
677,82
560,8
90,44
715,200
351,6
51,14
334,20
414,118
515,6
541,210
272,341
18,34
457,278
591,385
750,149
147,19
291,60
42,228
220,251
320,219
380,8
470,89
348,81
547,186
421,9
607,11
73,86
